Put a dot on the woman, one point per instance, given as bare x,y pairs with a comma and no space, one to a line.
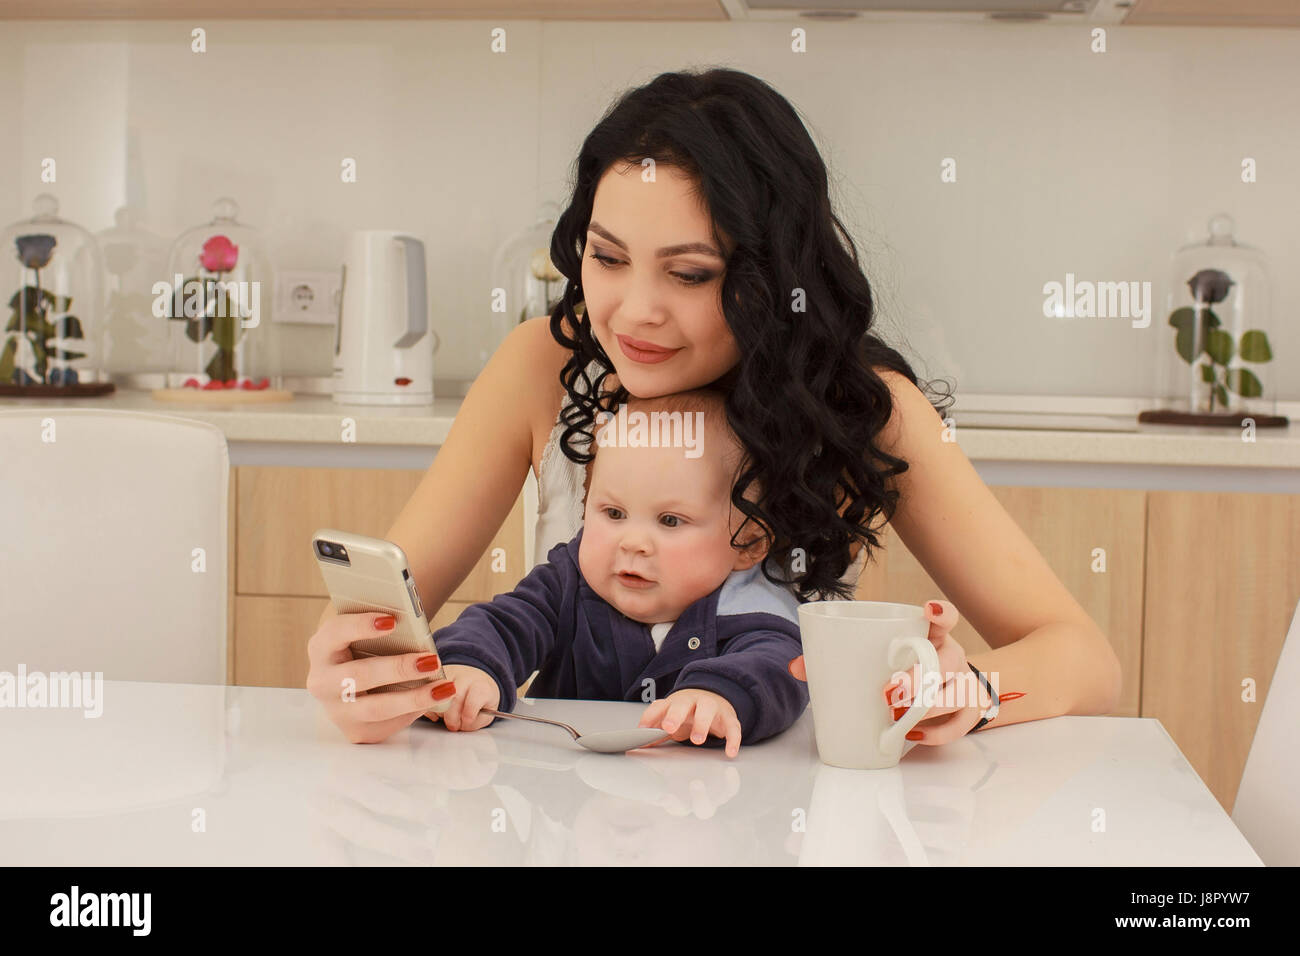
700,246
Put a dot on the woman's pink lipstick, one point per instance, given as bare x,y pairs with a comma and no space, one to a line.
644,352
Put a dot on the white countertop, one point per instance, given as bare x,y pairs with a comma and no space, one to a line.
1068,450
181,774
316,419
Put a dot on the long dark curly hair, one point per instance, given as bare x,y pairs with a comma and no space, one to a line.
804,399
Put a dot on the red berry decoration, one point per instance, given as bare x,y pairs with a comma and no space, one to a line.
247,384
191,383
210,386
263,383
231,383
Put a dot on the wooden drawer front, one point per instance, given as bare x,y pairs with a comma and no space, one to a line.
1223,578
279,508
1065,524
272,634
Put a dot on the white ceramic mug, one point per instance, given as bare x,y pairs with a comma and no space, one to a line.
851,649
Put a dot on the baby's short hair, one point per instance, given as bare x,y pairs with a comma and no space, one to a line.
709,399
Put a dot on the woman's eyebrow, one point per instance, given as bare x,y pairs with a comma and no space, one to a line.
663,253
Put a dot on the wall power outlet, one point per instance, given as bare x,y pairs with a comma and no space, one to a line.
308,297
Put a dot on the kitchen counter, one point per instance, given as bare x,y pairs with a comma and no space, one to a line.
309,432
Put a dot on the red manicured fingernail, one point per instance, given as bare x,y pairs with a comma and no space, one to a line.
429,662
914,735
891,691
385,622
899,712
443,691
936,607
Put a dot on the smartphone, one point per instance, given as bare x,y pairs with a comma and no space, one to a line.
371,574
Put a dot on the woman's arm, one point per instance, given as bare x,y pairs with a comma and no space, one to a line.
1044,643
477,473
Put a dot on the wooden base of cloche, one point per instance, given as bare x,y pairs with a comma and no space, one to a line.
1166,416
88,390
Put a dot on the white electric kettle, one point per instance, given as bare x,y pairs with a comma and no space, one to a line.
383,349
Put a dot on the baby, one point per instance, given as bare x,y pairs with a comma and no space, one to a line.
649,601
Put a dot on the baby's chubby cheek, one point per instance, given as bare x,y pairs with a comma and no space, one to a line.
587,562
594,563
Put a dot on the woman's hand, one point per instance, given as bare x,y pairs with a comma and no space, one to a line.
343,683
941,724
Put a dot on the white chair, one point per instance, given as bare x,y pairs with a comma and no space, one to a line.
113,549
1266,809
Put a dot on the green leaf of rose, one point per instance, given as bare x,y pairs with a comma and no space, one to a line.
1207,373
1219,345
1183,320
7,361
70,326
1221,395
225,331
1244,382
1254,346
32,295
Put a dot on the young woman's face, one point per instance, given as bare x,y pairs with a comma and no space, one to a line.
658,317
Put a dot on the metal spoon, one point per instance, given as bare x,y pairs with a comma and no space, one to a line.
605,742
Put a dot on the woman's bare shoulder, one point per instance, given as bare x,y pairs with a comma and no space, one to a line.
912,412
545,357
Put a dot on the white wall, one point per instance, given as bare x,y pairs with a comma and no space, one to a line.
1068,160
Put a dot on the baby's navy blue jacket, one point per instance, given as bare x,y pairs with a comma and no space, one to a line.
736,641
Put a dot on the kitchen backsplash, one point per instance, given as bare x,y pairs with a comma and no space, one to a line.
1068,162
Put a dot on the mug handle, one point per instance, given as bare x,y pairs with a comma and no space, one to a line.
928,658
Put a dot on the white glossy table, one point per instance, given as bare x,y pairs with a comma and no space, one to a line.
208,775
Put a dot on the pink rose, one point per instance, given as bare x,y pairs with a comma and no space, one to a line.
219,254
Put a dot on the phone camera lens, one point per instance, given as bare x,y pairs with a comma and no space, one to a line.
325,548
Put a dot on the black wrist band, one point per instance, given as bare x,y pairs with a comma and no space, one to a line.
993,707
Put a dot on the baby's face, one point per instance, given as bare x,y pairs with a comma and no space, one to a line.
665,518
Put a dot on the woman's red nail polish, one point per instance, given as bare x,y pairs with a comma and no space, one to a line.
936,607
899,712
914,735
443,691
1010,695
429,662
385,622
892,691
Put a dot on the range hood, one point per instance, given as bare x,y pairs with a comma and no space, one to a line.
1098,12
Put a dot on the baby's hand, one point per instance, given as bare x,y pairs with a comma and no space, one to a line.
696,714
475,689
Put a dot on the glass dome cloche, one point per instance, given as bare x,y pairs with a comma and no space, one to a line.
136,348
1214,363
217,305
522,268
51,280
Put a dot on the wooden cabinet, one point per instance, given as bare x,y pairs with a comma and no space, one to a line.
278,594
1066,525
1223,578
